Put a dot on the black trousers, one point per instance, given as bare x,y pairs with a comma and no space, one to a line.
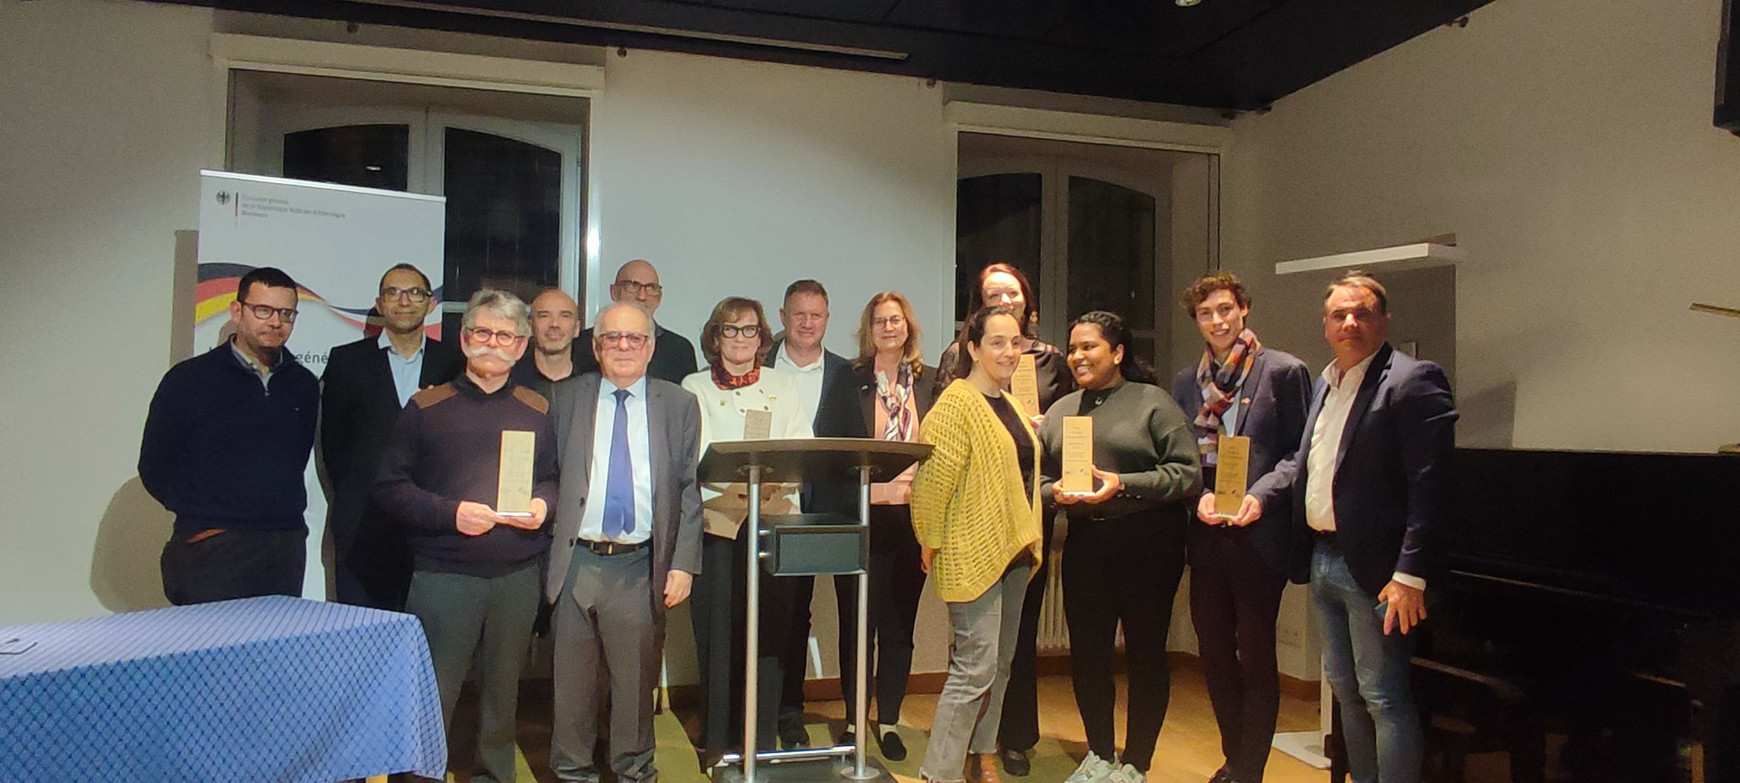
1019,729
1122,570
1234,599
372,559
896,584
233,564
718,609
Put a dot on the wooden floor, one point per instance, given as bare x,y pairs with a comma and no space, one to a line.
1189,749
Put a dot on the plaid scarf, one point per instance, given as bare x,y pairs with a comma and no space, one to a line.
894,396
725,380
1220,385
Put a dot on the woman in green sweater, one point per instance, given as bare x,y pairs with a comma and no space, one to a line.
1124,551
975,510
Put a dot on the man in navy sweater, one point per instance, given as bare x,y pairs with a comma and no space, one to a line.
225,447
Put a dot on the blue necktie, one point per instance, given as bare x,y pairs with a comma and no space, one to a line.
619,485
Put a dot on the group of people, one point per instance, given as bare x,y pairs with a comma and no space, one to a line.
1345,487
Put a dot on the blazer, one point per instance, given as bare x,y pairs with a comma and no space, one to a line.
1392,476
835,417
674,419
359,407
1272,406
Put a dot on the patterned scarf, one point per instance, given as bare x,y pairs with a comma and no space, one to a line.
723,379
1220,386
894,397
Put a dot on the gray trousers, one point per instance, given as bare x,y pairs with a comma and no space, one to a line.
492,617
604,621
971,704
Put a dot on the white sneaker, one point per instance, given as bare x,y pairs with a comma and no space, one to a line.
1127,774
1093,769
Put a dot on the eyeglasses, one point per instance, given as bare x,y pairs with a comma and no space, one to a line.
747,330
482,335
893,320
416,294
635,340
633,288
265,312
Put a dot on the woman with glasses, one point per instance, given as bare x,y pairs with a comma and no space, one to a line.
1002,285
739,400
975,511
1124,553
895,391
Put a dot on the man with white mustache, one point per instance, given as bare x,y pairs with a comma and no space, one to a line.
476,583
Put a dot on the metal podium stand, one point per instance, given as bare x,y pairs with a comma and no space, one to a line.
792,461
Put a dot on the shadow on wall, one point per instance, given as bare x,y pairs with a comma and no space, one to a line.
1488,417
125,573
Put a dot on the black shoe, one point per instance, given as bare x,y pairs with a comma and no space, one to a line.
847,737
1222,775
1014,762
792,733
893,748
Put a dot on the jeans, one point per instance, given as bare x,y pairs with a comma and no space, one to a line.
980,651
1370,673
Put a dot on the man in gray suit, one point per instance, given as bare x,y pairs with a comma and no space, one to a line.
629,443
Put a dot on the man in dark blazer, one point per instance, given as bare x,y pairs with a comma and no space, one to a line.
629,444
824,381
637,283
1368,488
1240,387
365,385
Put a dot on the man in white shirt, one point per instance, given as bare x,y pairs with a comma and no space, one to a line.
1369,485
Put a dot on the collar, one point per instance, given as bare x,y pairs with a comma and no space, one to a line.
247,362
464,383
791,365
1336,379
387,342
636,390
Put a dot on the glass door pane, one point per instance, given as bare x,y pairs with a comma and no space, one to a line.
369,156
504,216
1111,255
998,217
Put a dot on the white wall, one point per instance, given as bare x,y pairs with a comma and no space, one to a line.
101,140
1568,145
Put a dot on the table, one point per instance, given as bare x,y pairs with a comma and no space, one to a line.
266,689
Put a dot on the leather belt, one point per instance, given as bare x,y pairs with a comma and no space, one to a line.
1326,537
608,548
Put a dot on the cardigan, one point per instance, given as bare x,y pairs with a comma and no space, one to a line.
968,502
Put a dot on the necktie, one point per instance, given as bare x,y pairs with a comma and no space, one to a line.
619,485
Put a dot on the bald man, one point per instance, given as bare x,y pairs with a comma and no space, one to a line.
637,283
555,324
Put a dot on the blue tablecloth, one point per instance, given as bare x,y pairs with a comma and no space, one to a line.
260,689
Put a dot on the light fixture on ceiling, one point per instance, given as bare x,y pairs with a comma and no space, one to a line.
1186,3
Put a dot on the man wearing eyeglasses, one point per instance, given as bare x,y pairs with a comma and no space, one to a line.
637,283
627,543
226,443
475,587
365,385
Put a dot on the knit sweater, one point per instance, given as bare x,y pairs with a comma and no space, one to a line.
1139,434
968,502
223,450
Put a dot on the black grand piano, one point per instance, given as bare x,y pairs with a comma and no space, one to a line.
1588,618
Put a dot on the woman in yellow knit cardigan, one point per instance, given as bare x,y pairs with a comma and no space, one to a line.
975,510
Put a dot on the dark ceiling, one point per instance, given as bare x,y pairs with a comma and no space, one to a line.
1224,54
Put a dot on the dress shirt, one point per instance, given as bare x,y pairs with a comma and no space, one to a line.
1325,455
407,373
809,378
247,361
639,452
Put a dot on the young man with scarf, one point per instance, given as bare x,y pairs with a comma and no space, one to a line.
1237,572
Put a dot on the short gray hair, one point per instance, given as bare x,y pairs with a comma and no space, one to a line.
501,303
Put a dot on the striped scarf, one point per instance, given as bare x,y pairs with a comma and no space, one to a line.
894,396
1220,385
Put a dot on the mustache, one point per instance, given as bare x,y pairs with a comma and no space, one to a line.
476,351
